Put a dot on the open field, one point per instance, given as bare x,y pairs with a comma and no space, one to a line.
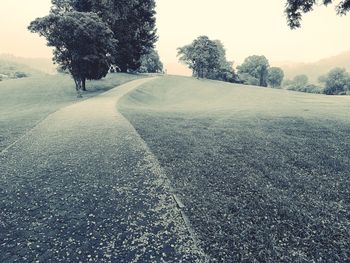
25,102
264,174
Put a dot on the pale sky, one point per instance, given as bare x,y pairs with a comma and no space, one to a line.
246,27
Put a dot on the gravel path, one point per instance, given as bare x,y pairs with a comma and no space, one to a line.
82,186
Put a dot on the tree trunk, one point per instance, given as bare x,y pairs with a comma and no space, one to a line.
83,84
78,86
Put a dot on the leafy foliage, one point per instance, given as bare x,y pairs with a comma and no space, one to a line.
82,43
298,82
132,22
275,77
150,63
254,71
301,83
337,81
296,8
207,59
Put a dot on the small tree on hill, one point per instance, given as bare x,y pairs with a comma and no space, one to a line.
207,59
82,43
254,70
337,81
275,77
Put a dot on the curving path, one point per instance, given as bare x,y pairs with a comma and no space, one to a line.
82,186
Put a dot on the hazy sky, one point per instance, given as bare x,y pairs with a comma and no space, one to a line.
245,27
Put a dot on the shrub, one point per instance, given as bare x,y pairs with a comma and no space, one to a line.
337,81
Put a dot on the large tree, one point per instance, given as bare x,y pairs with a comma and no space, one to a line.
82,42
296,8
254,70
207,59
132,21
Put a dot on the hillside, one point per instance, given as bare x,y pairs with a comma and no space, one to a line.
24,102
263,174
13,70
316,69
39,64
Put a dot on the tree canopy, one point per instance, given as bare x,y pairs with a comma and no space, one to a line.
207,59
275,77
296,8
337,81
150,63
132,22
254,71
82,41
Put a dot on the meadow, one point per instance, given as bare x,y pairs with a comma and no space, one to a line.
25,102
263,173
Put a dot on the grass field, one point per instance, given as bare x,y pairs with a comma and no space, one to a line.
264,174
24,102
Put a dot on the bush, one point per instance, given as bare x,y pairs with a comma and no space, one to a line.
310,88
19,75
337,82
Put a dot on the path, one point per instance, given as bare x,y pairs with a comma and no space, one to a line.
82,186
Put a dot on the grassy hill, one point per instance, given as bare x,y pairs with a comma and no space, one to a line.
263,173
13,70
44,65
316,69
24,102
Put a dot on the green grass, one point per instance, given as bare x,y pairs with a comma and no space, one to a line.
25,102
264,174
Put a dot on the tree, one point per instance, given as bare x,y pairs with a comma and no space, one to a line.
150,63
296,8
337,81
132,21
275,77
82,43
254,70
207,59
136,33
300,80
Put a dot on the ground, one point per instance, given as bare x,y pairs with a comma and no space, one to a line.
179,170
82,186
25,102
263,173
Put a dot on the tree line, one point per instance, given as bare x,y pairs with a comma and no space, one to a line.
207,59
91,36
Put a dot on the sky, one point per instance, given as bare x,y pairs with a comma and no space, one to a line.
246,27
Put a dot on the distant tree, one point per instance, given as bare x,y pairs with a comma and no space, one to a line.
150,63
300,80
82,43
254,70
207,59
132,22
301,83
296,8
337,81
287,82
275,77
